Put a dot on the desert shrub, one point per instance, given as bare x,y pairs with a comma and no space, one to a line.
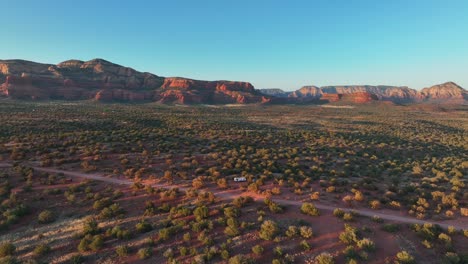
358,196
84,244
41,249
231,211
445,238
239,259
111,211
464,211
338,212
89,242
46,217
143,227
404,257
268,230
144,253
119,233
315,196
232,228
96,243
351,253
451,230
374,204
306,232
7,249
349,235
101,203
278,251
225,254
257,249
426,244
324,258
201,212
291,231
275,207
90,227
9,260
76,259
309,209
122,251
241,201
427,231
187,237
205,238
348,217
183,250
452,258
366,244
305,245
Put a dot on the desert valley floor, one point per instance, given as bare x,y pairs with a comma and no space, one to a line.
87,182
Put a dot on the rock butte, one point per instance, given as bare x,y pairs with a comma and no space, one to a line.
105,81
102,80
444,93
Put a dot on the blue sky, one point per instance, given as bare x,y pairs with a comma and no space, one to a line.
280,44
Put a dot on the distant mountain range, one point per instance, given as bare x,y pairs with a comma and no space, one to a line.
448,92
106,81
102,80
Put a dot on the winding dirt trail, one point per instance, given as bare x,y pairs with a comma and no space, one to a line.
230,195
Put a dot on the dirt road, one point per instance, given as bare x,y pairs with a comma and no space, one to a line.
230,195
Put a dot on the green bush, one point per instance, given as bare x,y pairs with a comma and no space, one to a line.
96,243
349,235
239,259
76,259
122,251
90,243
41,249
268,230
348,217
366,244
144,253
143,227
201,212
305,245
338,212
452,258
324,258
306,232
169,253
291,231
404,257
46,217
91,227
9,260
7,249
257,250
309,209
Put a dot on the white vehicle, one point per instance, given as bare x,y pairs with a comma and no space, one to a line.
240,179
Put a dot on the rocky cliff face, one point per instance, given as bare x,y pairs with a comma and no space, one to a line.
443,93
446,91
105,81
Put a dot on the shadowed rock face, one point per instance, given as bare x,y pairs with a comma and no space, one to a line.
105,81
444,93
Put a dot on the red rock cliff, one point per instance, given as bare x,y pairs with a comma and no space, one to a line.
105,81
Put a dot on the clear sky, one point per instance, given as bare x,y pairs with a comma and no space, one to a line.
273,44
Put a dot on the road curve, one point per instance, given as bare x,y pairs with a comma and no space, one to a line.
231,196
